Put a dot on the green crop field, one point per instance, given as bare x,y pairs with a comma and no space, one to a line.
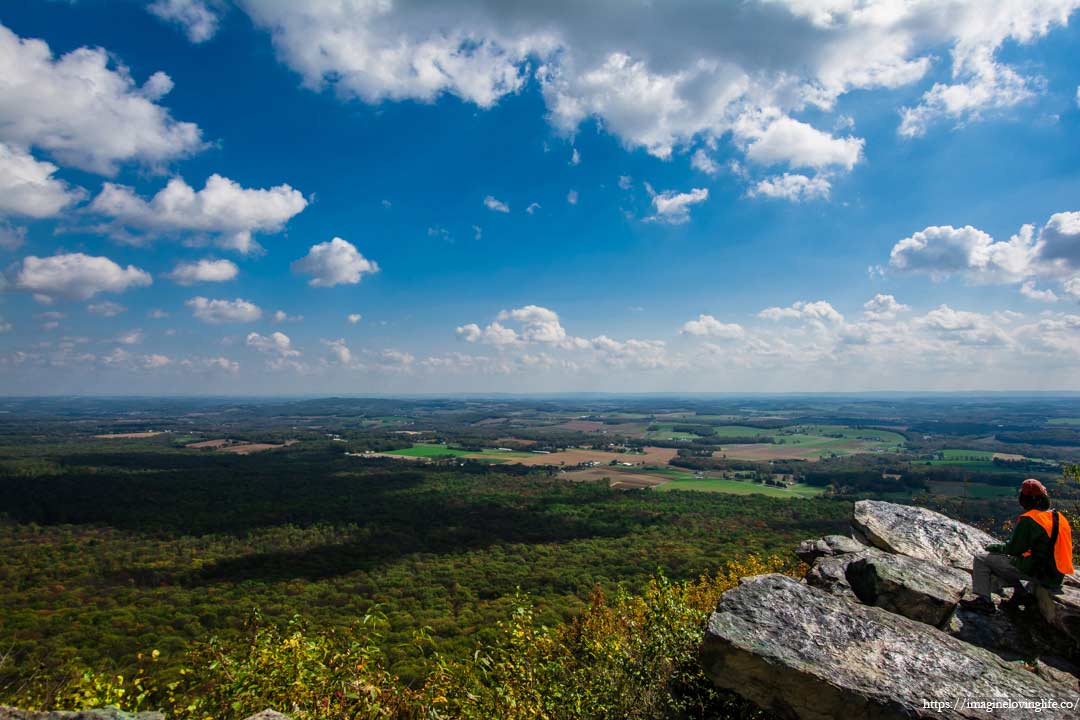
428,450
971,490
965,455
1064,421
742,431
738,487
492,455
973,460
849,433
666,431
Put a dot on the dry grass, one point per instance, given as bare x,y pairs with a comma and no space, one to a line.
582,426
624,478
207,444
238,448
652,456
769,451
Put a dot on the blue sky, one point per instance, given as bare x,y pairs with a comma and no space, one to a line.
778,196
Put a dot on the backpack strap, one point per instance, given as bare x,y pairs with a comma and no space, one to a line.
1050,563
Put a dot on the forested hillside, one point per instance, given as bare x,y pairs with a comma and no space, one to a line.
112,554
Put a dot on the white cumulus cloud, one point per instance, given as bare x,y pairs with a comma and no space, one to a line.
223,210
339,351
200,271
709,326
793,187
799,145
217,312
801,310
883,307
276,343
700,160
497,205
198,18
334,263
673,207
84,110
76,276
1029,290
28,188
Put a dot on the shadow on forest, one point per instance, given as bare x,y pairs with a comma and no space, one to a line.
425,527
230,496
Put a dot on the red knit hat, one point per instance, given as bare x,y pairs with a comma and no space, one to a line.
1032,487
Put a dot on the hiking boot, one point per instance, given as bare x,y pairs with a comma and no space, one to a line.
1019,600
981,605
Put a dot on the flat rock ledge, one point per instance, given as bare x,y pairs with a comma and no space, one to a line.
800,652
919,533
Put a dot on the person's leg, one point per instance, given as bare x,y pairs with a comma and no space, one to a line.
986,567
981,576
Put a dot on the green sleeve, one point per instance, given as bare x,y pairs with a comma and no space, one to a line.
1023,537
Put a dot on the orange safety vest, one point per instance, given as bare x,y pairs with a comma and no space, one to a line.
1063,549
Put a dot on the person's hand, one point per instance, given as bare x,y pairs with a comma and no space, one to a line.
995,548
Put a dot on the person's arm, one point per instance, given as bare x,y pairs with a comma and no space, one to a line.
1022,538
1000,547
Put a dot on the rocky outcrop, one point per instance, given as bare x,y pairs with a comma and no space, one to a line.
874,631
802,653
828,546
919,533
918,589
829,572
1061,609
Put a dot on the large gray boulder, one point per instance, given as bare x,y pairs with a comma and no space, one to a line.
9,713
828,546
1061,609
802,653
829,572
269,715
918,589
919,533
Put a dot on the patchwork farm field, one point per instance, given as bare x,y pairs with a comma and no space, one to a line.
668,478
651,456
810,442
623,478
130,435
436,450
739,487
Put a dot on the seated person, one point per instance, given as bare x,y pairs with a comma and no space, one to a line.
1039,550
